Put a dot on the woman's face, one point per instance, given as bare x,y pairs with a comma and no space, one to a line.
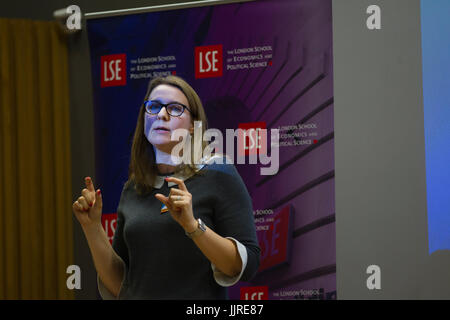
160,138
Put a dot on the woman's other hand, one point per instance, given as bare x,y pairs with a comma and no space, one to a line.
179,204
88,207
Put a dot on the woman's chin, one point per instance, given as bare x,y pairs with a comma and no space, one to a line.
163,145
160,140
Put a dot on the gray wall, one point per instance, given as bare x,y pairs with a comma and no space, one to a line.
379,147
381,216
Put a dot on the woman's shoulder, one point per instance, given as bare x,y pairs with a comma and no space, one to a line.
220,164
217,162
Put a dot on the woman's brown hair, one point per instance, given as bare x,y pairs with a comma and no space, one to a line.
143,168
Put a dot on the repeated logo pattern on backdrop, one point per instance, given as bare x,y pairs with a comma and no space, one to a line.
256,65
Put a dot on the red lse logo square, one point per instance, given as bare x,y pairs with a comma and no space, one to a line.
208,61
255,293
109,223
113,70
253,139
275,242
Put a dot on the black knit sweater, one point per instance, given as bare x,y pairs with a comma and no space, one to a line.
161,261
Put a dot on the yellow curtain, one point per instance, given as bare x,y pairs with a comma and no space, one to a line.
36,244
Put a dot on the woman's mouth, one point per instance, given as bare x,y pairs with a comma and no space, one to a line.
161,129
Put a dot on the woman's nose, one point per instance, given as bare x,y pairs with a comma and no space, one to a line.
162,114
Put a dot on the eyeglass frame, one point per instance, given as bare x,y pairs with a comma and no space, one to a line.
165,106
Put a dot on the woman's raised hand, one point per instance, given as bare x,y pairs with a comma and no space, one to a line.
179,203
88,207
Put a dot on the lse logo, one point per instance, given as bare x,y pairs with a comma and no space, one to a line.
113,70
208,61
109,223
255,293
254,139
275,242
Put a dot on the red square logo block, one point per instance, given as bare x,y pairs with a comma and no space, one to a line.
109,223
252,139
208,61
113,70
254,293
276,242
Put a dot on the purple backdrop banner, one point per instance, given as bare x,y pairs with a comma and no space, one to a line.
258,64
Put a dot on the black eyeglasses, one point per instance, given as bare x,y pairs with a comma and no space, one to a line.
175,109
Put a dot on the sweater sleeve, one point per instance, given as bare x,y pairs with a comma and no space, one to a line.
233,215
227,281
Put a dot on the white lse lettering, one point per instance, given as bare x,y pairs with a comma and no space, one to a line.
114,70
211,62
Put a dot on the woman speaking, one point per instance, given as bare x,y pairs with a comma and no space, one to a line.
184,230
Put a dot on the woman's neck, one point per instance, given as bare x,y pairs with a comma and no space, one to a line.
165,162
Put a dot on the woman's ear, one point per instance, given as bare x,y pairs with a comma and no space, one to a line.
191,130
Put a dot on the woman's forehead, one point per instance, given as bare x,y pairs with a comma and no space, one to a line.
168,93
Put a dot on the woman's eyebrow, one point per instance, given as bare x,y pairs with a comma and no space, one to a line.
160,99
168,101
